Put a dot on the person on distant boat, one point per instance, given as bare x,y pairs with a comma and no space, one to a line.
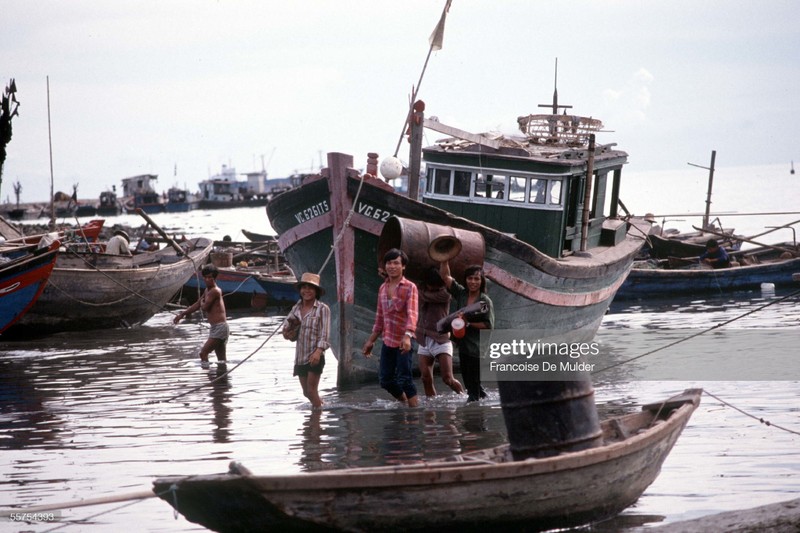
118,244
396,322
469,349
213,306
434,304
309,325
715,255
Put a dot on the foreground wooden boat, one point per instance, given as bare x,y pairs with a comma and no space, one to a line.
24,271
550,251
468,492
89,290
773,265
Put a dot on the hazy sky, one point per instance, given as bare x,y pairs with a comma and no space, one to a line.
154,86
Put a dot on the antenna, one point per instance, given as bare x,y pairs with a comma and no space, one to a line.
555,105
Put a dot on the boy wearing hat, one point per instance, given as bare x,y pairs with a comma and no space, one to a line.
309,325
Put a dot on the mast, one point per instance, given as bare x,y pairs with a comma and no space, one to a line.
50,145
710,169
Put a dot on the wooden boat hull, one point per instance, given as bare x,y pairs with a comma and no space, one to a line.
98,291
470,492
566,297
22,281
658,282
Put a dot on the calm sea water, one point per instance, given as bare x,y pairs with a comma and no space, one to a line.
93,415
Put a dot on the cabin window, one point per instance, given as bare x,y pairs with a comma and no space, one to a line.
516,188
538,191
498,187
441,183
555,192
429,181
461,182
481,185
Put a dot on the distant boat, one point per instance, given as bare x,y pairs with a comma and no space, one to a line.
108,206
90,290
24,271
666,278
791,171
140,194
257,237
483,489
180,201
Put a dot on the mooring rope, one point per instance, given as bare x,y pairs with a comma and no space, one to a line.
702,332
760,419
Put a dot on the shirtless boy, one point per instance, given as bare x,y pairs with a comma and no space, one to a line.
213,306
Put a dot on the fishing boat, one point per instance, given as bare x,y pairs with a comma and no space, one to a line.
24,271
93,290
180,200
553,246
140,194
773,265
474,490
108,205
664,245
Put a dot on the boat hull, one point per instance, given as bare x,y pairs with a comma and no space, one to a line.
564,298
22,281
247,289
101,291
468,493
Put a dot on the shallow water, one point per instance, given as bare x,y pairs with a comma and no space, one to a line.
86,416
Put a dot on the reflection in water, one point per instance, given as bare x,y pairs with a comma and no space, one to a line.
220,397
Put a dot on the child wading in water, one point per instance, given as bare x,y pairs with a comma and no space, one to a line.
309,324
213,306
434,304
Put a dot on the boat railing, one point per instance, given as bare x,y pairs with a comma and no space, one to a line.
566,130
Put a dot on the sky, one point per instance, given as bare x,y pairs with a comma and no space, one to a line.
179,88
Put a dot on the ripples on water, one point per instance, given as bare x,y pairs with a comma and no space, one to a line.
96,414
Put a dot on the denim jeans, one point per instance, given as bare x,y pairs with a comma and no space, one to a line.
395,372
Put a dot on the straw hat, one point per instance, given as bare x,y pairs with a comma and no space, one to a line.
650,217
123,234
310,279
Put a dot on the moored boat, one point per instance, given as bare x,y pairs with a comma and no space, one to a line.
555,247
180,200
108,205
92,290
750,268
473,490
24,271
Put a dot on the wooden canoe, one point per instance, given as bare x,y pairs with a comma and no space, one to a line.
467,492
89,290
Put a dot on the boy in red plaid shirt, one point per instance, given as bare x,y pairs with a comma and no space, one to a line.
396,321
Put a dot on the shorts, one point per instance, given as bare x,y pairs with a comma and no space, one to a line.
303,370
219,331
433,348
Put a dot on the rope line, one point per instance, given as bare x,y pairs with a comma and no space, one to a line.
765,422
702,332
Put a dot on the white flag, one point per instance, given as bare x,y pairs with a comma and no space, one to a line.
438,33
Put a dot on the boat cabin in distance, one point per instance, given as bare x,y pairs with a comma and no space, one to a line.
531,186
141,190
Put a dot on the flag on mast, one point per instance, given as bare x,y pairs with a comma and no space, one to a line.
437,37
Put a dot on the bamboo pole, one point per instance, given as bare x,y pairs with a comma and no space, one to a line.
751,241
129,496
